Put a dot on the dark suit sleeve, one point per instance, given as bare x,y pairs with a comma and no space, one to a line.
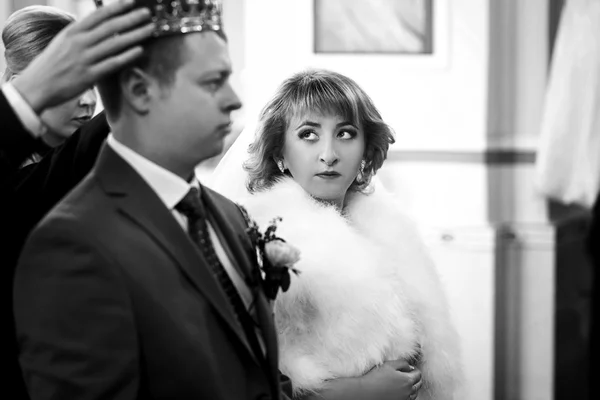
16,143
64,167
35,189
73,316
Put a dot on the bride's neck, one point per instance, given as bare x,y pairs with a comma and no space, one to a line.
338,204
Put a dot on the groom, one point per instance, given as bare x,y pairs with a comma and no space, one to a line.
141,283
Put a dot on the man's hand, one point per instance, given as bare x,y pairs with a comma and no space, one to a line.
84,52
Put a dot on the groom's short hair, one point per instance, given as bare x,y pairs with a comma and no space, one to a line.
161,58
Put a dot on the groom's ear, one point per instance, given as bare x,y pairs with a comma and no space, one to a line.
138,89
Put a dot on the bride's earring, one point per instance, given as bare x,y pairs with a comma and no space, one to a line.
280,166
361,171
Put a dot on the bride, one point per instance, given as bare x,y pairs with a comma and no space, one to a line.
368,292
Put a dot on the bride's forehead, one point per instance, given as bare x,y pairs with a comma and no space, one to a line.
300,114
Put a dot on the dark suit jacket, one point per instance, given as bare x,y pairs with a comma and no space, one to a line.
594,251
113,300
36,188
26,195
16,144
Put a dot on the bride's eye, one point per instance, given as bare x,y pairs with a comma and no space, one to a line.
346,134
308,135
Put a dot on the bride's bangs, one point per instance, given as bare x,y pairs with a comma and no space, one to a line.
325,97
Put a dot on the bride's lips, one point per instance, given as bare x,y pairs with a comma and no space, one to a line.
328,175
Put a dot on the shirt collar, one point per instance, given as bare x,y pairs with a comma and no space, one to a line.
170,188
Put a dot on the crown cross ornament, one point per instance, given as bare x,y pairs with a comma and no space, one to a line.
182,16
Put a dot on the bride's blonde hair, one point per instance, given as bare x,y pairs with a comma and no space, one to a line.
326,92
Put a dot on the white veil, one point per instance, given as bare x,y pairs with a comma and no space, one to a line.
229,177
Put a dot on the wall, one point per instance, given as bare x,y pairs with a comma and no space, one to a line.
466,126
463,119
431,104
485,92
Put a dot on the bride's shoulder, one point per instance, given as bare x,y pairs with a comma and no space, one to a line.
284,199
378,205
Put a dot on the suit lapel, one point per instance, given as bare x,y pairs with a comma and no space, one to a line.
138,201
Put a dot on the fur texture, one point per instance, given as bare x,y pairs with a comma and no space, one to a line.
368,292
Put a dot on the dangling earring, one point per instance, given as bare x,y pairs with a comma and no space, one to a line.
361,171
280,166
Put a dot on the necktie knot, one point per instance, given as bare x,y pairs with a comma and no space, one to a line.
191,205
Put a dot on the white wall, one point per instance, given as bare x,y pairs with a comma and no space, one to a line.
431,104
518,53
466,260
484,92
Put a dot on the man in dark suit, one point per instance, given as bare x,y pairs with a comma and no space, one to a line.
79,55
122,292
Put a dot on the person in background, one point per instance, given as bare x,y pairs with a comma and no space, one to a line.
72,62
25,35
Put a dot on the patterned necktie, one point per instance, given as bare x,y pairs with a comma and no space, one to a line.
191,206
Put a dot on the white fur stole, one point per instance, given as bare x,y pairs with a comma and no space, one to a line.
368,292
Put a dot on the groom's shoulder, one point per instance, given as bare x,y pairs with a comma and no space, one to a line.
222,201
216,196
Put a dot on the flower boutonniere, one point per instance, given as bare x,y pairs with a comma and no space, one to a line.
276,257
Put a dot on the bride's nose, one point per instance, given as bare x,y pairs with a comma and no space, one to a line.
328,154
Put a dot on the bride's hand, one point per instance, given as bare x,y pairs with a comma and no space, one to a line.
394,379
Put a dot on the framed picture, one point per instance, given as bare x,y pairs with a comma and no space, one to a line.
374,27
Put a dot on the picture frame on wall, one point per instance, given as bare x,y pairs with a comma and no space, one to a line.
383,42
374,27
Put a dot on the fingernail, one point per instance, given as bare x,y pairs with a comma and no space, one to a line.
129,2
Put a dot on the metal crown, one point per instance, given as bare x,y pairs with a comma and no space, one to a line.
184,16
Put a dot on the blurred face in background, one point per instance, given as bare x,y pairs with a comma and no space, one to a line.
63,120
26,33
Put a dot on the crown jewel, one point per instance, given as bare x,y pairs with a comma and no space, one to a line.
183,16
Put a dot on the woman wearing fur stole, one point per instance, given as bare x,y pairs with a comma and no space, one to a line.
367,312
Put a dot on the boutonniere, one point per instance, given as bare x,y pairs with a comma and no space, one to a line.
276,257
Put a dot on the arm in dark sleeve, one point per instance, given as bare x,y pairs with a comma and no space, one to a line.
65,166
36,188
16,143
74,319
